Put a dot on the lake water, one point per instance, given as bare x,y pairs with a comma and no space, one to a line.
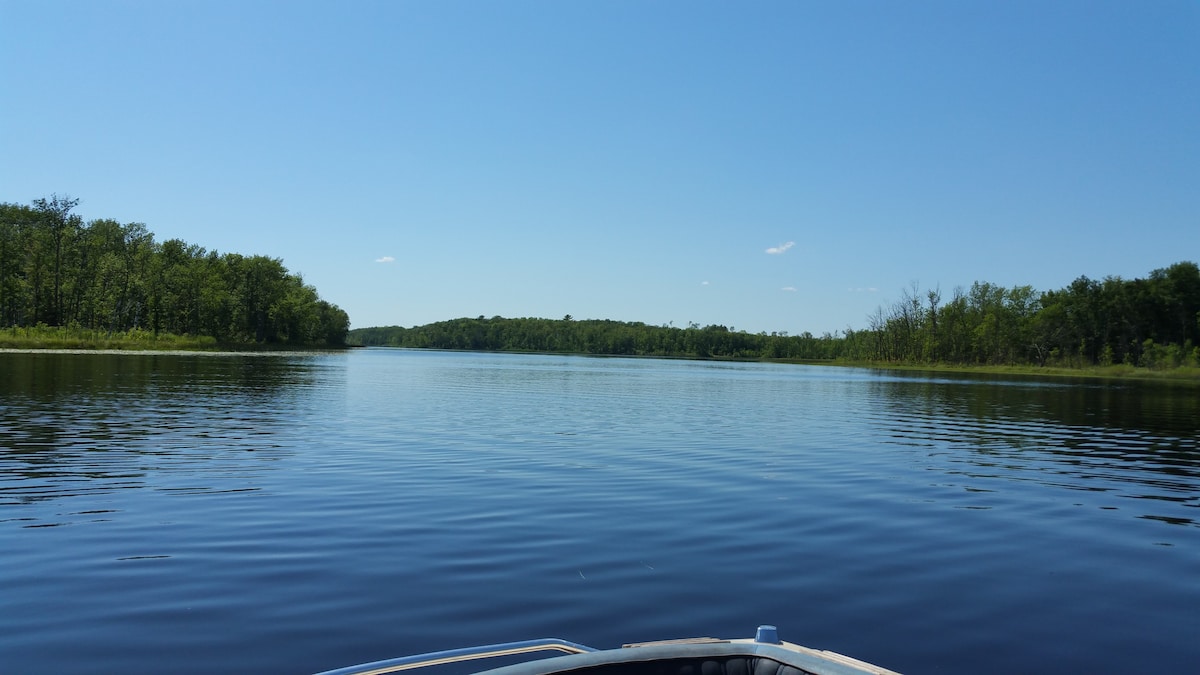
295,513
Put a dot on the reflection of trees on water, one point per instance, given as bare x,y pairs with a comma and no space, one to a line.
73,424
1140,440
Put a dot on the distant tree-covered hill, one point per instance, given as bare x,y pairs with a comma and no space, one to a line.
593,336
1152,323
56,270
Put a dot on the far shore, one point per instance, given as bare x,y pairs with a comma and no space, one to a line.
175,345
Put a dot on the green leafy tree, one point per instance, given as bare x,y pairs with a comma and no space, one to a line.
56,270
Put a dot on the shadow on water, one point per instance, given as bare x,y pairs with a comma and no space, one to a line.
1134,439
94,423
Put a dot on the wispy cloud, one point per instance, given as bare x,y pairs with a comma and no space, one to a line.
703,283
385,259
776,250
789,289
867,289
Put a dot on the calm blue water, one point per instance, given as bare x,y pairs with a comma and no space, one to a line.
294,513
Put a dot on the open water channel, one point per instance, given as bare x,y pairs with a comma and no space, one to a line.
295,513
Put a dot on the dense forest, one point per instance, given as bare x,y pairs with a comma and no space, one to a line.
593,336
56,270
1152,323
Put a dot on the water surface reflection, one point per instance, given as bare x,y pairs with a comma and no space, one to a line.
1133,440
73,424
295,513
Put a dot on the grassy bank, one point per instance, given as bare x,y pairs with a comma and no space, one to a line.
1186,374
55,337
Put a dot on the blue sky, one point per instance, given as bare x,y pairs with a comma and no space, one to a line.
770,166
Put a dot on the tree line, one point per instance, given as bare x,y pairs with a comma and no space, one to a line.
1152,322
597,336
57,270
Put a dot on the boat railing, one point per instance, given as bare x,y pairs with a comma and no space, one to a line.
464,654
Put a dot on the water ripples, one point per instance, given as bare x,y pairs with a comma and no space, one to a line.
1037,438
152,423
305,512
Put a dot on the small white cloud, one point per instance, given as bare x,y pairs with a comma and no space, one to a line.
789,289
385,259
703,283
867,289
776,250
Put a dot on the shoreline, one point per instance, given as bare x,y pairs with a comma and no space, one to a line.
1182,375
54,339
170,352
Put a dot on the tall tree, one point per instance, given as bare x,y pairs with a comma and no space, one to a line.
62,228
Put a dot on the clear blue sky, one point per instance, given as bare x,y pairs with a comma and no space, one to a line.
633,160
